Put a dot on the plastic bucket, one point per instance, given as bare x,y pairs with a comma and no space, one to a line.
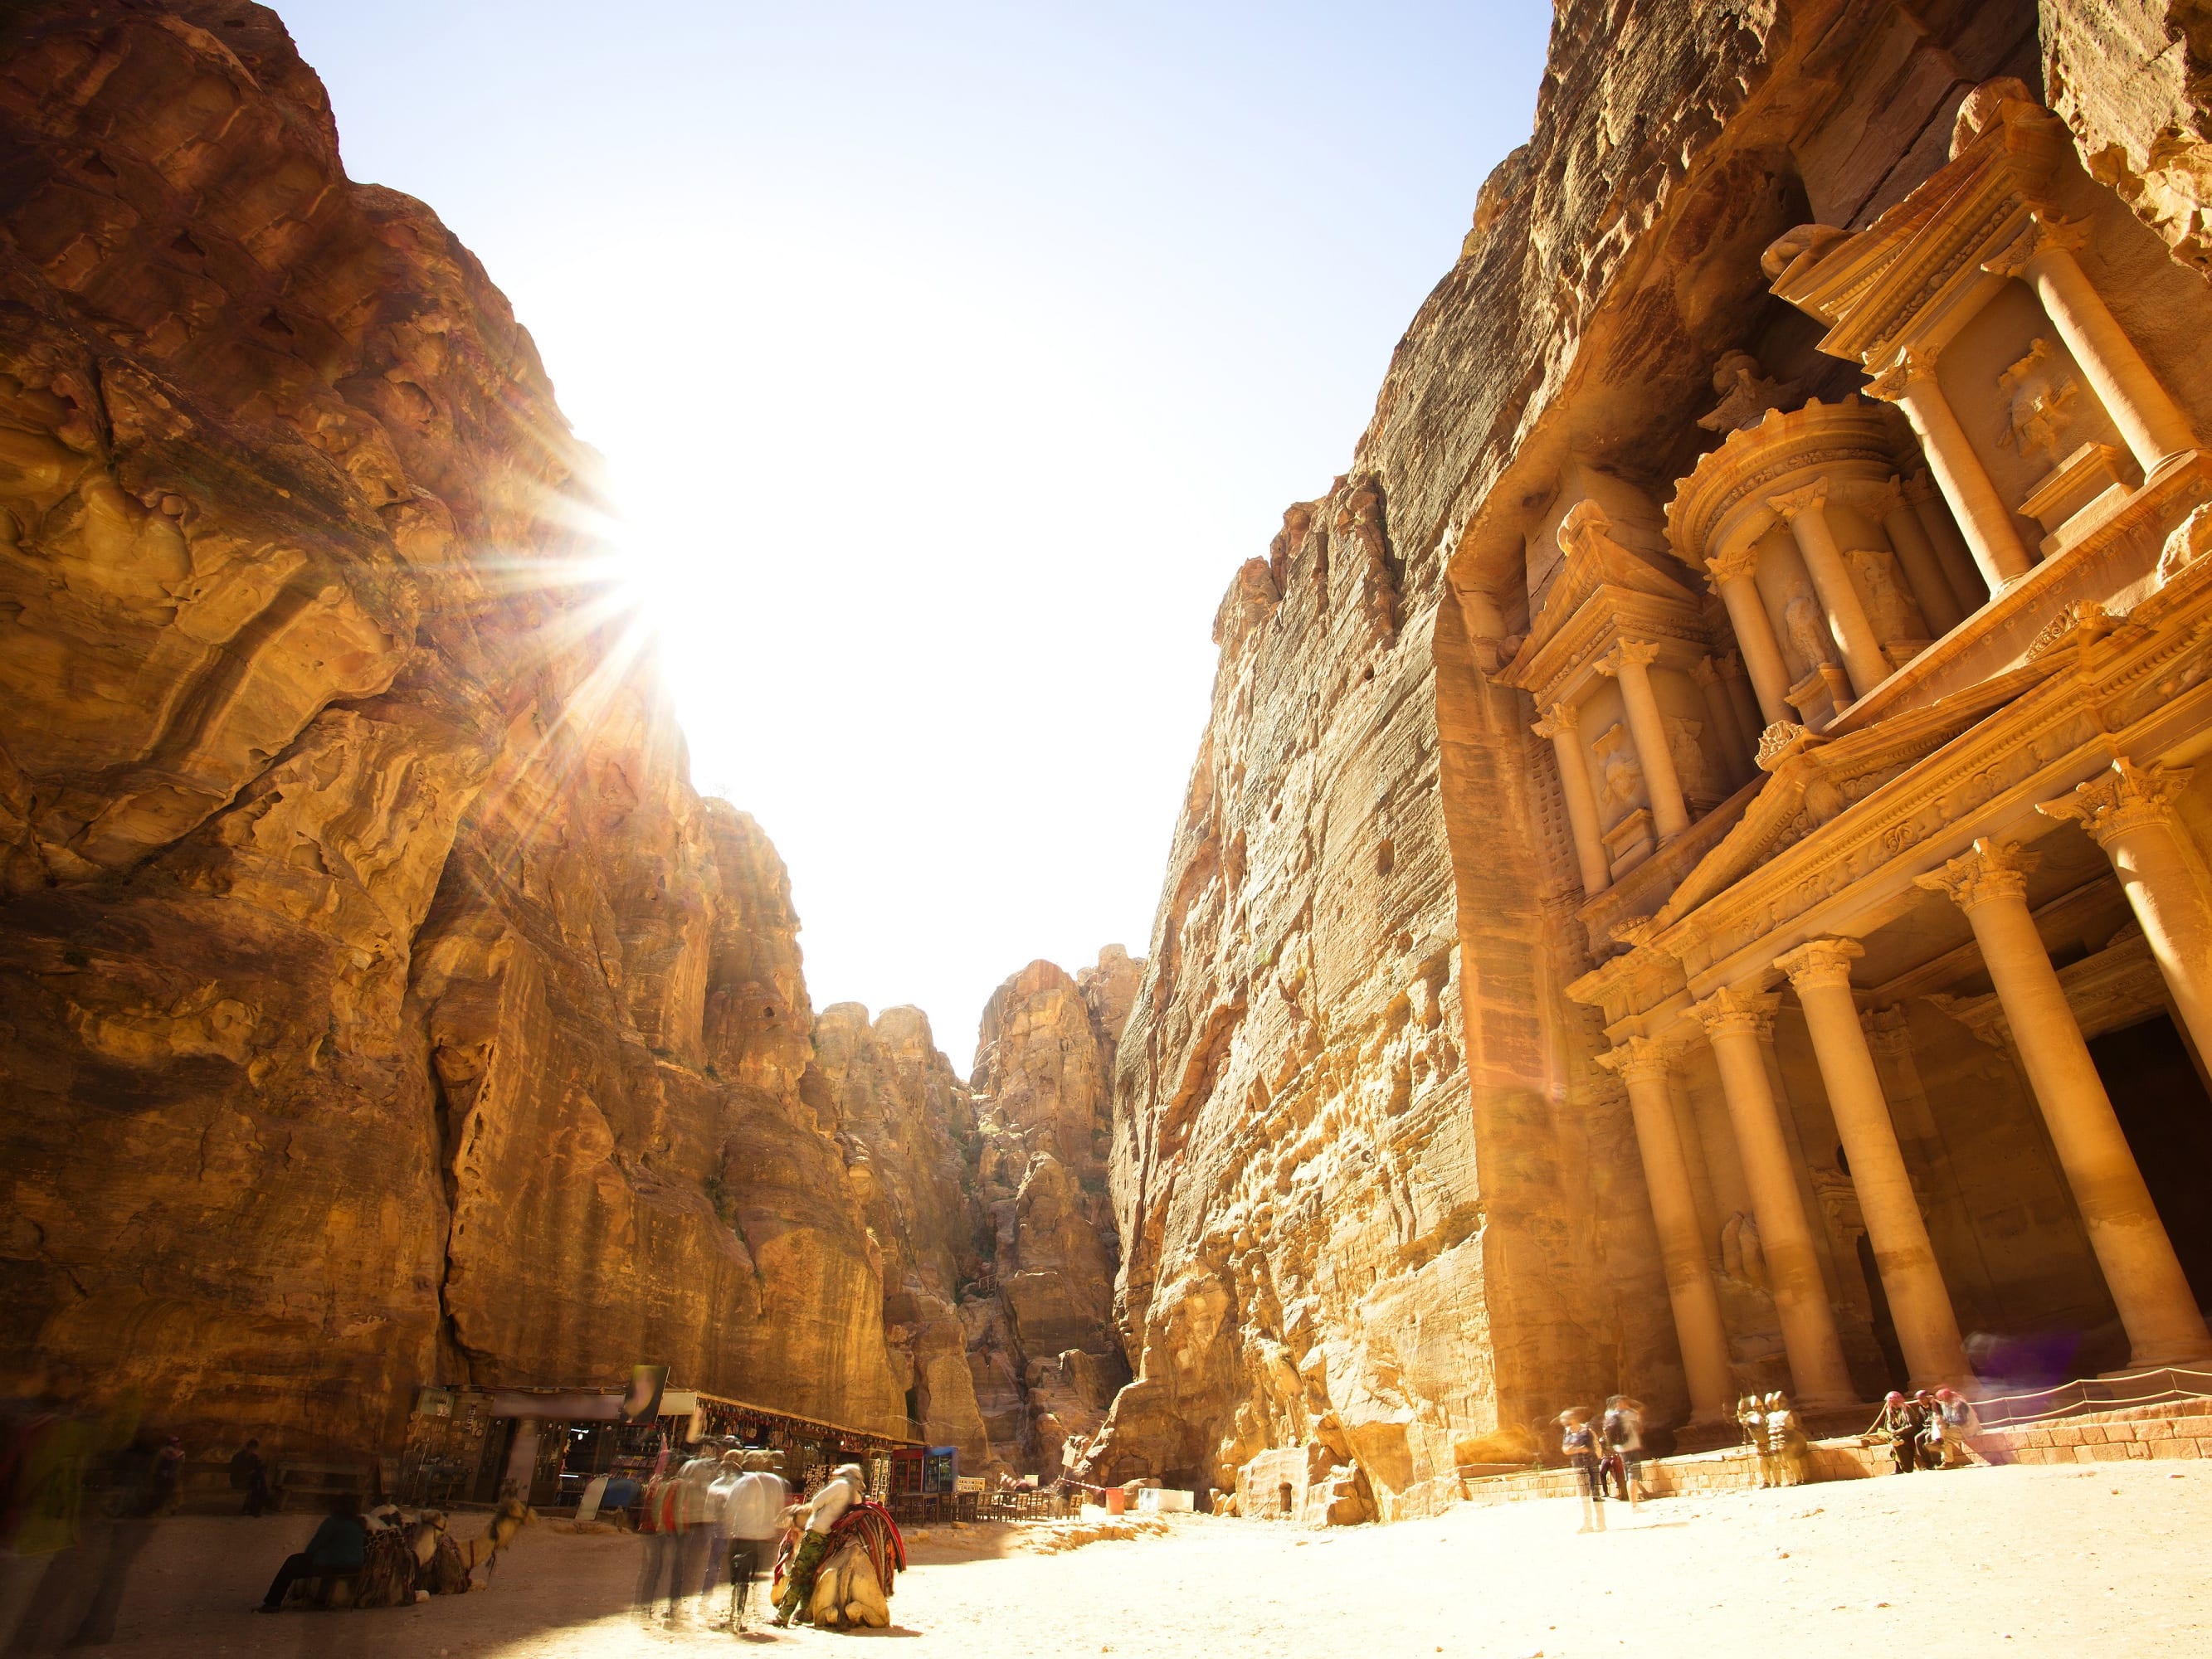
1116,1500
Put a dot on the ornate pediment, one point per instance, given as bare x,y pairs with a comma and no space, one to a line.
1895,281
1814,780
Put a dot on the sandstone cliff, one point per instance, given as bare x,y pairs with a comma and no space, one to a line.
988,1202
1373,1196
379,1004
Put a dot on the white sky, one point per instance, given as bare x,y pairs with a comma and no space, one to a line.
948,360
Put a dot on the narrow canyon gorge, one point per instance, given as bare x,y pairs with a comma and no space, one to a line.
381,1008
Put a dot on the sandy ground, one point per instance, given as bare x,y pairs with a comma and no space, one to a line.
2102,1561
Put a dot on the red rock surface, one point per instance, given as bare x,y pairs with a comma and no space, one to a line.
378,1004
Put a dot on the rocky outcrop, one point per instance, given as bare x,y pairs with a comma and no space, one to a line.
379,1004
988,1202
1375,1199
1042,1079
2133,79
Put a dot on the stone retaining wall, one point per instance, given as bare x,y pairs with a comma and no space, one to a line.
2173,1430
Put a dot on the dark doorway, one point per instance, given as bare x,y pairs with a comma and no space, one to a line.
1885,1328
2168,1119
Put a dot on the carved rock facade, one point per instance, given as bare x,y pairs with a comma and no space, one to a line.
1603,878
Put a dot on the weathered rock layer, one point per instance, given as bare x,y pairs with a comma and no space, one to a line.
378,1004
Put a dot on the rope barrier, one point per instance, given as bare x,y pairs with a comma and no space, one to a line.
2103,1392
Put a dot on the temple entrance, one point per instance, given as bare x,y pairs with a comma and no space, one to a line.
2167,1116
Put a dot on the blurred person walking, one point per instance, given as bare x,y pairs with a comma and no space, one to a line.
753,1517
249,1475
1580,1444
1621,1432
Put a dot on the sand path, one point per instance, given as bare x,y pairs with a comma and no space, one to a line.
2105,1560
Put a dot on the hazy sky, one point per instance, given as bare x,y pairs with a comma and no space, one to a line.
948,360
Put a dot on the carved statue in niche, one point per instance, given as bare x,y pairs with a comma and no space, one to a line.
1688,754
1888,607
1746,394
1620,779
1741,1257
2190,540
2039,396
1807,635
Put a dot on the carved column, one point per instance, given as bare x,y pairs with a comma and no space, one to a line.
1630,663
1641,1065
2150,422
1738,1023
1582,798
1984,518
1731,576
1922,569
2145,1278
1927,1327
2128,811
1960,572
1723,710
1741,698
1806,511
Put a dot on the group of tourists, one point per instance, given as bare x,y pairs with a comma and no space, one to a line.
733,1517
1927,1430
1606,1451
1771,1429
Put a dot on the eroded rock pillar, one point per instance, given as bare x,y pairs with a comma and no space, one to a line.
1738,1023
1927,1326
1731,575
1582,797
1806,510
1641,1065
1630,663
2152,1293
2129,812
1923,570
2149,421
1984,518
1722,708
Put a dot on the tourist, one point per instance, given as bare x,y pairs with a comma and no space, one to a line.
250,1475
753,1517
844,1489
1959,1421
1581,1447
1899,1423
168,1478
695,1514
1784,1441
337,1550
1621,1429
1751,1417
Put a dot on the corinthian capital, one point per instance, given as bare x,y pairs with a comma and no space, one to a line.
1736,1010
1820,962
1895,379
1640,1060
1741,560
1629,654
2042,234
1807,498
1991,871
2124,797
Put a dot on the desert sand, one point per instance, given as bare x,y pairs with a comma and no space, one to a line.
2015,1561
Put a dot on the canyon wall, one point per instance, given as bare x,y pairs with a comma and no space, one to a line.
1374,1196
378,1004
988,1202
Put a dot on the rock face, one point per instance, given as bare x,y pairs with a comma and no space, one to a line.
1375,1197
2133,79
988,1202
379,1004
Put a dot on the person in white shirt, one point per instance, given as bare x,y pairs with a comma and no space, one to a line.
839,1493
752,1516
